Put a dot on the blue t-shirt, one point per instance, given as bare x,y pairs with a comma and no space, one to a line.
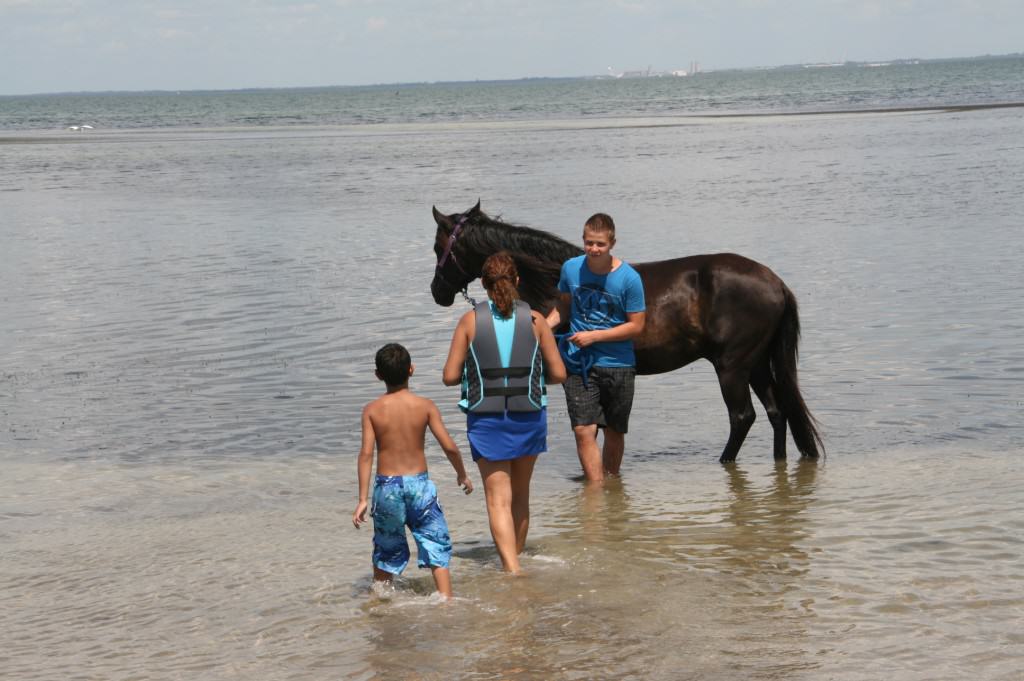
601,301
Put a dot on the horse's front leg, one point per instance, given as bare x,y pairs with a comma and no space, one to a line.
736,392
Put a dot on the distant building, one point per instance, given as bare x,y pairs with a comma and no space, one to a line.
612,73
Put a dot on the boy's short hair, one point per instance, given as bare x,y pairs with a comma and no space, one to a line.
600,222
393,364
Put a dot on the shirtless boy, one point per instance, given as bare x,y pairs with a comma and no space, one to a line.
403,494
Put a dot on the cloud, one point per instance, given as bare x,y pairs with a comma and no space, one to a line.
631,6
304,8
285,42
174,34
40,8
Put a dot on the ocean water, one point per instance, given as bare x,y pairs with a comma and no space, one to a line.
931,84
191,293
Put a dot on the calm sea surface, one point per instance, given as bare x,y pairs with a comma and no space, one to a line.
191,293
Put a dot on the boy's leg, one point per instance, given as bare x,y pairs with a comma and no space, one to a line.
382,575
521,472
390,548
498,494
430,530
611,454
616,387
588,452
442,581
583,402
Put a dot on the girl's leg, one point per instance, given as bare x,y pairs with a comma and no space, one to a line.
521,471
498,491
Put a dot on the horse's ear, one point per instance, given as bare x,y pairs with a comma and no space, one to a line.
441,219
475,210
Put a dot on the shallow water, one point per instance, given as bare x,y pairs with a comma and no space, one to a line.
187,322
842,569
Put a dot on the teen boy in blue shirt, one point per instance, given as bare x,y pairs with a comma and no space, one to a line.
606,310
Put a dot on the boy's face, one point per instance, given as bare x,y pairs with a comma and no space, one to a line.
597,243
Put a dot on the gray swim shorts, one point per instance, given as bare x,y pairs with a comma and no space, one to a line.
606,400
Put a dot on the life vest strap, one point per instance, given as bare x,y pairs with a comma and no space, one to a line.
508,391
510,372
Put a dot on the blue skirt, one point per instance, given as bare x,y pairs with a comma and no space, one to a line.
510,435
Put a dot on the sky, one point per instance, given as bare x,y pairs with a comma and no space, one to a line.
99,45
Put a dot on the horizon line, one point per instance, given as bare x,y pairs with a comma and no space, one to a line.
257,88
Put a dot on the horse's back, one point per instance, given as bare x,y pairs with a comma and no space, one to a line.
700,305
708,263
711,280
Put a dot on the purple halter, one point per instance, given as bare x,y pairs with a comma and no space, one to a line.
448,248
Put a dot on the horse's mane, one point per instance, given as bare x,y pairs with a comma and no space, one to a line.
538,254
493,234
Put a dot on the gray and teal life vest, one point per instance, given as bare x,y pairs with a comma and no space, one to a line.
490,387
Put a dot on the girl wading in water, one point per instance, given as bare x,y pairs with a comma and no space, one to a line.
503,354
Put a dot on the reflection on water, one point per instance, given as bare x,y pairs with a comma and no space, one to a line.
767,527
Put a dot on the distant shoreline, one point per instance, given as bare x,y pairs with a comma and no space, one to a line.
617,122
883,63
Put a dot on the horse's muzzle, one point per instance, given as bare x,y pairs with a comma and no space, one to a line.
443,293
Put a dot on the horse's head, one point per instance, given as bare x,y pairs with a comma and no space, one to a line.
456,266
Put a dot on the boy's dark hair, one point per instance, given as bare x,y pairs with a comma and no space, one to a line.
600,222
393,364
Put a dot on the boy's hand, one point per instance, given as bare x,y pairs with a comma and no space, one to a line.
583,339
466,484
359,517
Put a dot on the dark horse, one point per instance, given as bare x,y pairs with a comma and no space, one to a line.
725,308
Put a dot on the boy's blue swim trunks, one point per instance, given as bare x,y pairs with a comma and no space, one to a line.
400,500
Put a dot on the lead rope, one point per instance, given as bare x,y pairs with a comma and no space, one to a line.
465,294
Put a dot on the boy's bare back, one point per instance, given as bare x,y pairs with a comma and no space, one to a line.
397,423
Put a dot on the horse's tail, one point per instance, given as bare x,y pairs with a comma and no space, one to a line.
783,354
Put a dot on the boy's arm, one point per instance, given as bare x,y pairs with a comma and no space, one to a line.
629,329
364,467
440,434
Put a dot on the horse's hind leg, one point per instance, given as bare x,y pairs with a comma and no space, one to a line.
764,386
735,387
